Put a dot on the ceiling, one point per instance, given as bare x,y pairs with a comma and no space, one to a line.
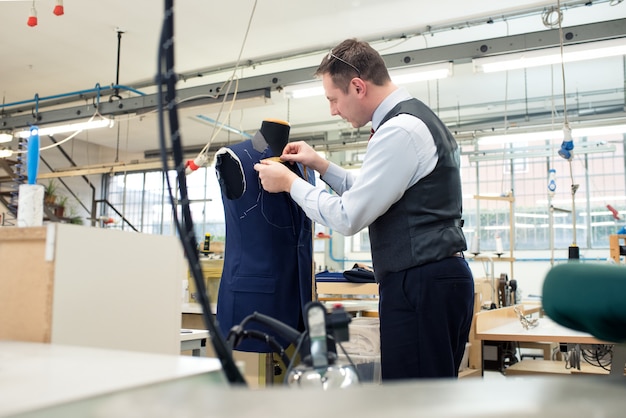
282,40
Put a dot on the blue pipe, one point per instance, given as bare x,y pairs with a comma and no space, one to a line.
223,125
342,260
97,90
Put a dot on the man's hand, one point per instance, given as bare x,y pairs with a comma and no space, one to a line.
302,152
274,176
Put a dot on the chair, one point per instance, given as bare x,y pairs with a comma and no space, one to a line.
590,298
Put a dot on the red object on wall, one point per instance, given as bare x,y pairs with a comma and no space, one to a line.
32,18
58,8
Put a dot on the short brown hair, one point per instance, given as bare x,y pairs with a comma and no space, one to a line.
353,58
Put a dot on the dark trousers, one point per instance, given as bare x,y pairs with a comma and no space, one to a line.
425,318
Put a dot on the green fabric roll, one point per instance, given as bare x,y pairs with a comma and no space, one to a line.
589,298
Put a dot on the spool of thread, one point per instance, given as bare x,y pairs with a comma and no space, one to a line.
30,205
499,249
475,247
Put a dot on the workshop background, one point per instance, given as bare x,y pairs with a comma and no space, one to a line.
238,63
533,91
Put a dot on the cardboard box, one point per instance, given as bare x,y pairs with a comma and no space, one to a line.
91,287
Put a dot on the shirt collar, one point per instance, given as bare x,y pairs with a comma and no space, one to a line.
398,95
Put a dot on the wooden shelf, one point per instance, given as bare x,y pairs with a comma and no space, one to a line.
615,244
551,367
507,198
510,259
494,259
470,373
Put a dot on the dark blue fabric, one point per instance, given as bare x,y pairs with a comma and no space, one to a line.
267,256
425,317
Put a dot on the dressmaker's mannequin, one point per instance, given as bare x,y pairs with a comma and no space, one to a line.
268,255
273,133
276,134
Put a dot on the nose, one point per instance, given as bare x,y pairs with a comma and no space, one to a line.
333,110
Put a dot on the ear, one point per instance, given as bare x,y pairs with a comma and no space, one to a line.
359,86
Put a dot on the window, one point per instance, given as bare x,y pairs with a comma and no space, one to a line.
597,180
145,203
538,215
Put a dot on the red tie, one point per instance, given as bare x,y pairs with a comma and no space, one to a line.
371,133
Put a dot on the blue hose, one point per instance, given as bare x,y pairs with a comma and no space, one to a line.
32,155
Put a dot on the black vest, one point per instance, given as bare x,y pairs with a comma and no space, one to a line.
425,224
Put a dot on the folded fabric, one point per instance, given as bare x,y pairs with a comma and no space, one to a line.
360,274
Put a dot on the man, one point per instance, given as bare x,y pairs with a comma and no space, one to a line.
409,195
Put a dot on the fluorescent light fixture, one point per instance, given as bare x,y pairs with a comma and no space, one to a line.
5,153
71,127
405,75
549,56
304,90
5,137
421,73
556,134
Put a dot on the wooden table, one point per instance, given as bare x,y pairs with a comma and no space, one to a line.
334,284
504,325
549,367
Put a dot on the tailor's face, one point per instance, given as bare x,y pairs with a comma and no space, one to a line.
348,105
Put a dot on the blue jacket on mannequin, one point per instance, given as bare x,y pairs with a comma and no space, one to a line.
268,256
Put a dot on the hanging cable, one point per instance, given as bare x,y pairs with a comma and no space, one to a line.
551,169
567,146
202,159
116,93
166,85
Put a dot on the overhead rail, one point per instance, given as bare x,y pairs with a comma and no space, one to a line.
94,93
457,53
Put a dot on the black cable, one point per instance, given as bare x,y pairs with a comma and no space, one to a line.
269,340
292,361
599,356
356,370
288,333
166,76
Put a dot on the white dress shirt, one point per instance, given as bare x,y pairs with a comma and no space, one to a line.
398,155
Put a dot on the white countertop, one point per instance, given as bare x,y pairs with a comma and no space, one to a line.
67,380
34,375
196,308
193,334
